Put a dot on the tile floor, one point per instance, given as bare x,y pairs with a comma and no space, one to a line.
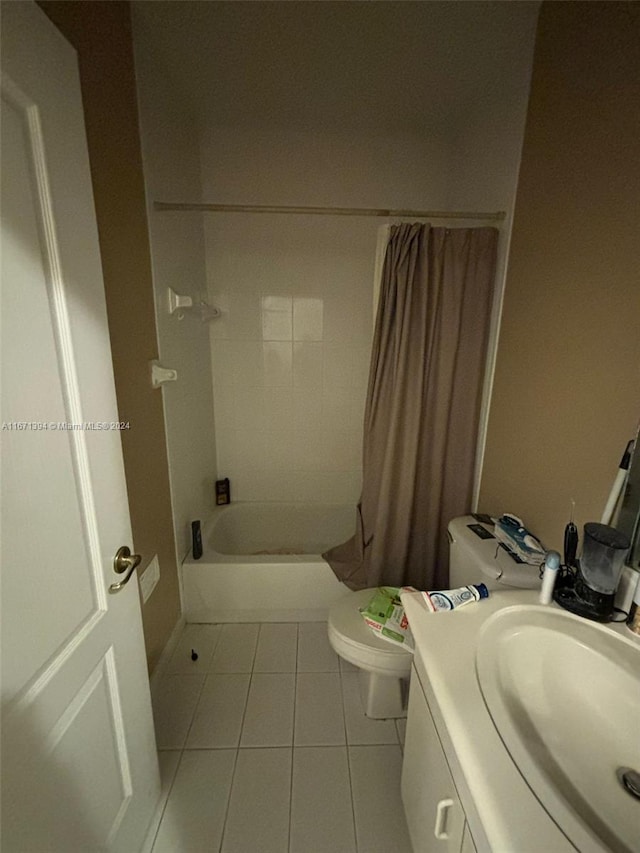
264,748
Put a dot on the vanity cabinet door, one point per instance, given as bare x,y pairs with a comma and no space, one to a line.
434,813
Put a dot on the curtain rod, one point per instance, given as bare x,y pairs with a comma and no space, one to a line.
329,211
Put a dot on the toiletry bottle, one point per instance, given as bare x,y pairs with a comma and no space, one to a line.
223,492
551,566
196,540
448,599
633,620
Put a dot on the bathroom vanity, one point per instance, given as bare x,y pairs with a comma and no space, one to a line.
484,774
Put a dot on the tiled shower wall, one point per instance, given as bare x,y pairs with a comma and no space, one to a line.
290,352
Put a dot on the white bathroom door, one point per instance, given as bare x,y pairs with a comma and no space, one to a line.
79,763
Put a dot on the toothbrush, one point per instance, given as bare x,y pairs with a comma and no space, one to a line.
570,539
551,566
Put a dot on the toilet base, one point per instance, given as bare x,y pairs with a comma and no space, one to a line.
383,696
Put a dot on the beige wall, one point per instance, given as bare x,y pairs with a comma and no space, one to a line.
566,399
101,33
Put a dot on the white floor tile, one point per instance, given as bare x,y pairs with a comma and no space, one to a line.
377,805
217,721
321,811
168,761
174,703
360,728
320,797
277,648
314,652
236,648
199,638
319,714
268,720
194,816
258,818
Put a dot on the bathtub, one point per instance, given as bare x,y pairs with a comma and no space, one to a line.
261,563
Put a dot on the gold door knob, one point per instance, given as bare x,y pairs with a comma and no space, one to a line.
124,561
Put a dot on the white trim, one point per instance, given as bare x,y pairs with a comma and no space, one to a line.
154,823
492,357
154,684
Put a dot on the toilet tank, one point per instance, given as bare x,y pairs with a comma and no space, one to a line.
476,556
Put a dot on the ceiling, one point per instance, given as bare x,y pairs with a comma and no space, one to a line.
385,65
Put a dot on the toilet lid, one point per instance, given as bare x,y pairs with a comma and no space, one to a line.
353,640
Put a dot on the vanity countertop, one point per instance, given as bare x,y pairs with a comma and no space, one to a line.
503,814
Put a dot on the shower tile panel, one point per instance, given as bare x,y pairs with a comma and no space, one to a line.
338,369
336,408
247,364
307,408
227,450
307,364
296,325
279,450
250,449
307,319
308,454
279,403
222,364
244,316
342,487
277,318
252,485
344,448
249,408
224,408
339,319
280,486
277,364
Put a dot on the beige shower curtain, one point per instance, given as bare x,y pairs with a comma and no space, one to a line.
423,405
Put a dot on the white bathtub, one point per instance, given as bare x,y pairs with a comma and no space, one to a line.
262,562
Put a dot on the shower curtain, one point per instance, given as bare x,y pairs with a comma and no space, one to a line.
423,405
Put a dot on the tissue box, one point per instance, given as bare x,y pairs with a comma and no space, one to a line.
385,615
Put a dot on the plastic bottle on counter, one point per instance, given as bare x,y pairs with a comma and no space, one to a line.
448,599
551,567
633,619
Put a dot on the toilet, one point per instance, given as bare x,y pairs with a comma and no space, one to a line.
475,556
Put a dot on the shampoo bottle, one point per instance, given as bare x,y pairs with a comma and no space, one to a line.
196,540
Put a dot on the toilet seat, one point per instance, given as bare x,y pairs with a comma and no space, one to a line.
352,639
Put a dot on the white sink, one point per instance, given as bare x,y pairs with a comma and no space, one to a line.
564,696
